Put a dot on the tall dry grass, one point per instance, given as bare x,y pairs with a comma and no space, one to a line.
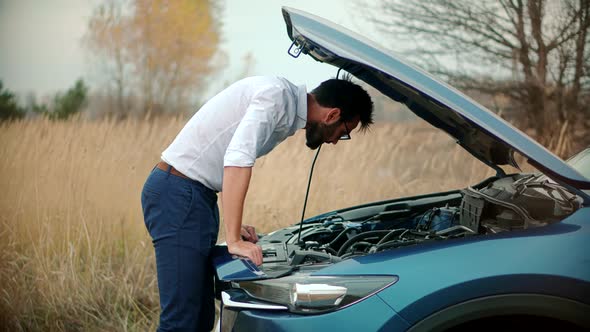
74,253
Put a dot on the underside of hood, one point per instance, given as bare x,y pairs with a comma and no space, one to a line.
478,130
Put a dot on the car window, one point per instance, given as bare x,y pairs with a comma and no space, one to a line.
581,162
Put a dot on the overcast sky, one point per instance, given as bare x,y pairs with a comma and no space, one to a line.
41,51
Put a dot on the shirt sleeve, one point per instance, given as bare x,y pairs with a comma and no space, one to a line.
255,128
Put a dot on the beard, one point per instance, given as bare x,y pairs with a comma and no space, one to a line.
317,133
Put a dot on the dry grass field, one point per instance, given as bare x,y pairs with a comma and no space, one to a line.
74,252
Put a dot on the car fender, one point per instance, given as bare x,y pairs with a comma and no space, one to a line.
539,305
506,285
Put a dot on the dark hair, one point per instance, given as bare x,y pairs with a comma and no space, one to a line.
350,98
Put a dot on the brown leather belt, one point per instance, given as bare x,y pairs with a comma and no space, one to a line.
164,166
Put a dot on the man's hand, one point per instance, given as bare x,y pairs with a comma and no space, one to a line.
246,249
249,233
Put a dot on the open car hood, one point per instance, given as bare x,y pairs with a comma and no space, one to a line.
482,133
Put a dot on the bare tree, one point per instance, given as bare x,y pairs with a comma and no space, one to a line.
537,52
107,38
155,51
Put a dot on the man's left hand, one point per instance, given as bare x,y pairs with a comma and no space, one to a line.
249,233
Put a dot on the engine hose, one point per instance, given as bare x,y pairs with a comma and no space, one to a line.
355,246
361,236
340,236
390,235
331,251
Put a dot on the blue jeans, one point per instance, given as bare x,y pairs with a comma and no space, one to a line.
182,218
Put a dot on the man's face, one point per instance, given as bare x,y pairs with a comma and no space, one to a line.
318,133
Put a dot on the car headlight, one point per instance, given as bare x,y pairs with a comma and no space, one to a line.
303,293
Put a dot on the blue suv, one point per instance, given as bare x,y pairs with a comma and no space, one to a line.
511,252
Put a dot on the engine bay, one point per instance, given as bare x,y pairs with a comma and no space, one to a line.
513,202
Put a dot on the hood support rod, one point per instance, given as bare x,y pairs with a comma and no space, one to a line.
307,194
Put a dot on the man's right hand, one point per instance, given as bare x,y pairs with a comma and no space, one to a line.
246,249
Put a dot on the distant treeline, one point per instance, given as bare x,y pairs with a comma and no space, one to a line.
61,106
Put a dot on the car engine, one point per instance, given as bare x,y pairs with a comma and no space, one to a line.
497,205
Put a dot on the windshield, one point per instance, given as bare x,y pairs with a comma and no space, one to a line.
581,163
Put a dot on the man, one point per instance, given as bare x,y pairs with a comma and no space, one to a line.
215,152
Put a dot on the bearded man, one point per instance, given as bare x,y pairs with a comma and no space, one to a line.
215,152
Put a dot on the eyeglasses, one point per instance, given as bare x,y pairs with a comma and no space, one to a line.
346,135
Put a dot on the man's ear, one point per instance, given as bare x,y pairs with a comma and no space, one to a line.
333,115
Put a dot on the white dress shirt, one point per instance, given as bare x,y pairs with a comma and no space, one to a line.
241,123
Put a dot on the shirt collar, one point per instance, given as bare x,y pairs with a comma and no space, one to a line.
301,119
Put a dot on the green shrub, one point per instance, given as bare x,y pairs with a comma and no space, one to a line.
9,108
